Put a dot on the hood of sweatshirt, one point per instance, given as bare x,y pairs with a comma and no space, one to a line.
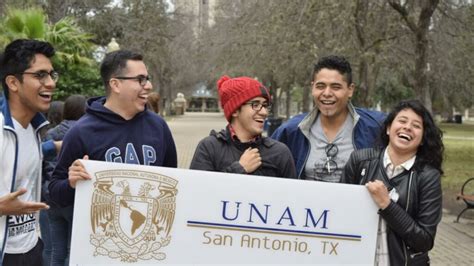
95,106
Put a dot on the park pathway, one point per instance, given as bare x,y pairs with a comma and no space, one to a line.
454,244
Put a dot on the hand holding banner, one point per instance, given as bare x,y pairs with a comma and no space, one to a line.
149,215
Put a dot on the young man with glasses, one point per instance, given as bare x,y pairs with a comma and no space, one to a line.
322,140
115,128
241,148
28,81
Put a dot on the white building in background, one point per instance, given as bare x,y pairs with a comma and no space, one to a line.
201,12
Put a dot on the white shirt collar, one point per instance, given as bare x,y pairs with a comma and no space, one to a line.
407,165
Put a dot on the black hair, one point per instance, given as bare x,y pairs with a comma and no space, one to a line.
431,150
335,62
55,113
74,107
114,63
18,56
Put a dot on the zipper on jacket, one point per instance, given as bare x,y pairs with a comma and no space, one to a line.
415,254
305,160
12,188
406,209
307,139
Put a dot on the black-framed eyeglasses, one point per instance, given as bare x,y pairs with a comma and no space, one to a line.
331,151
42,75
257,106
142,80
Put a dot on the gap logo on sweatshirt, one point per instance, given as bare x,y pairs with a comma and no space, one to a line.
130,155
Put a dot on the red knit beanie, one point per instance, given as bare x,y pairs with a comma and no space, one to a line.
234,92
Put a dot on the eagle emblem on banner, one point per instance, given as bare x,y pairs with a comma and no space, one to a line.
132,213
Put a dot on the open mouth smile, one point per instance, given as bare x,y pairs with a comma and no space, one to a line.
47,95
405,136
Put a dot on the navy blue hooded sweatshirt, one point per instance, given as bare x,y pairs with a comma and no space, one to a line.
105,136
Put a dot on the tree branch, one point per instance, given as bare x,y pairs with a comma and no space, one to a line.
402,10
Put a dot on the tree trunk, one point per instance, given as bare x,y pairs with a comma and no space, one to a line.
360,16
275,97
364,95
421,61
307,98
420,30
288,102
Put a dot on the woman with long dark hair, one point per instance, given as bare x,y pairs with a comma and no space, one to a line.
404,180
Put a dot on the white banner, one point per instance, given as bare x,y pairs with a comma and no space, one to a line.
133,214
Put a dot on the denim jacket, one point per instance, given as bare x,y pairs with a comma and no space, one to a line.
295,133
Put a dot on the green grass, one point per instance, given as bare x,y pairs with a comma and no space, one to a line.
458,130
459,155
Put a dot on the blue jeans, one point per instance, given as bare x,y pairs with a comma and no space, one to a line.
45,237
60,221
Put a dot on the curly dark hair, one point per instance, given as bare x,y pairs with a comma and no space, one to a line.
431,150
18,56
334,62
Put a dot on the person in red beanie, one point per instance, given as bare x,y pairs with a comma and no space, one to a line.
240,147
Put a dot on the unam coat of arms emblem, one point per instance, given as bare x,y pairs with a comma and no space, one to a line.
132,214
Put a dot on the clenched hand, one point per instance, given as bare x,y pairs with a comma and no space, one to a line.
250,160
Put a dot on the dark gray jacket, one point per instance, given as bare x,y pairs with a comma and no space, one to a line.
412,221
56,133
218,152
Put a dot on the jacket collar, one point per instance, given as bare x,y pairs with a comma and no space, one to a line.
308,121
225,135
37,122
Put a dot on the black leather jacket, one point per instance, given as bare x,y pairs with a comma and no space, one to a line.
412,221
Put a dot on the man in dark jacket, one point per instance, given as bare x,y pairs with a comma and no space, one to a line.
322,140
241,148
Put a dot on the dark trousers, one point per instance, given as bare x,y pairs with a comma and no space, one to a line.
34,257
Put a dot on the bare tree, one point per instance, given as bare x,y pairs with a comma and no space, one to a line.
417,16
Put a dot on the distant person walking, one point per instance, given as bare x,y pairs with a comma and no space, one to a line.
154,102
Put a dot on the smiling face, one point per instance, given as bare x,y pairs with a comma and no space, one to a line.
32,94
406,132
129,95
331,93
247,122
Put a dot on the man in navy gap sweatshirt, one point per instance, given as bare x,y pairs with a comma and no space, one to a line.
117,128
